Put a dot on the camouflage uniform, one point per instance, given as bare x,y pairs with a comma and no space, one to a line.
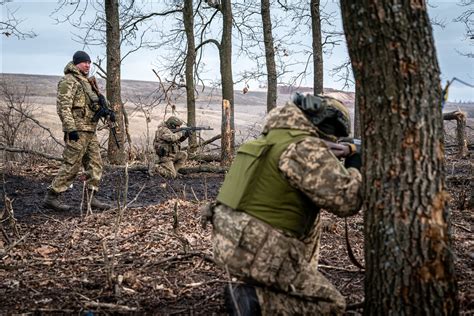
167,147
259,248
76,105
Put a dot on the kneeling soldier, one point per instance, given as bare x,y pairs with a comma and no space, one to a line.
167,143
266,222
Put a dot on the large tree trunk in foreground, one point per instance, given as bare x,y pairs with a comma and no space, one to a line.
409,264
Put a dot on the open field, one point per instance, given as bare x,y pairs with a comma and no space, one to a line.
250,108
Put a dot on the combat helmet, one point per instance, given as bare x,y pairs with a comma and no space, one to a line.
173,122
326,113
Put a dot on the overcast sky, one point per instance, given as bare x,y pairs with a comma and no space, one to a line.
51,50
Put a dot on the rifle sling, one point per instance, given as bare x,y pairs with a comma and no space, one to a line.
349,248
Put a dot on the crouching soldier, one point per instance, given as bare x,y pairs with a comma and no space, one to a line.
266,222
167,144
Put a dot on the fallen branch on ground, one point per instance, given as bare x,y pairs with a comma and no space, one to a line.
29,151
184,170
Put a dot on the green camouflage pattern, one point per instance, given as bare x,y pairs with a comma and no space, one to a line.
291,117
344,117
168,167
284,267
76,102
256,252
173,122
167,146
85,152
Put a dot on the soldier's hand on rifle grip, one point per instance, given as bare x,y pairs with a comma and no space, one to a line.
353,161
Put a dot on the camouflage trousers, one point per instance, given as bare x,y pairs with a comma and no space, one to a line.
168,166
85,152
285,281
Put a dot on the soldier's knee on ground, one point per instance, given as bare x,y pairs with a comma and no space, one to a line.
165,172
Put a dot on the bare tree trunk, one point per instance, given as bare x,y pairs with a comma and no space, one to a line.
188,19
409,263
115,155
269,55
317,48
225,52
226,123
460,118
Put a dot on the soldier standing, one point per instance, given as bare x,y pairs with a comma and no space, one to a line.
266,222
167,144
76,105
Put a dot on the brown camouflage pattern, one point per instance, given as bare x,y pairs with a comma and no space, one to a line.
76,105
260,254
165,139
76,102
168,167
85,152
284,267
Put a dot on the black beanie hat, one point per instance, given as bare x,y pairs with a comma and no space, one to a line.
80,57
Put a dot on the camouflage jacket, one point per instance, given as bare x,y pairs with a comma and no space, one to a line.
167,143
311,167
76,102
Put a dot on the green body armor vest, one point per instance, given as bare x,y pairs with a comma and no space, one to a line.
255,185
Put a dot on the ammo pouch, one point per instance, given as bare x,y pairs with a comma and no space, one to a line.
242,172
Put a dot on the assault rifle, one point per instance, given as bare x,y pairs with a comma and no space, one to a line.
104,112
345,147
191,129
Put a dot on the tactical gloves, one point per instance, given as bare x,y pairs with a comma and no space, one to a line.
74,135
353,161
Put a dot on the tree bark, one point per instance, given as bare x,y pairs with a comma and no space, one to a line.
269,55
188,19
357,127
115,154
225,52
317,48
408,256
226,157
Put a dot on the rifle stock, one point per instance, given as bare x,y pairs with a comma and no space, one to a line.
345,147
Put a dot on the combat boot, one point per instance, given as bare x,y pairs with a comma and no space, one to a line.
51,200
241,300
96,204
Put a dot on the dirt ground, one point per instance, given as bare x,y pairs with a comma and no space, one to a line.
155,257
